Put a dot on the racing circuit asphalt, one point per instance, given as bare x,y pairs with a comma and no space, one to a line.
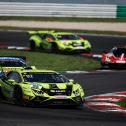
12,115
99,43
93,83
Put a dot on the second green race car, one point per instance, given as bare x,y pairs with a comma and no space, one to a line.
40,87
58,41
9,63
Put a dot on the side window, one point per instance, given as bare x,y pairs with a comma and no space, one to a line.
42,36
50,37
15,76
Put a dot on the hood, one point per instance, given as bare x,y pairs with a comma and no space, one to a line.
71,41
54,85
53,89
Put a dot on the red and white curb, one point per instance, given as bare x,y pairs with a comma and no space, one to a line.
2,46
15,47
106,102
99,56
90,72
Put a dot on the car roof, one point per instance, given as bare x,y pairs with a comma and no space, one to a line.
38,32
63,33
50,32
35,70
119,47
8,58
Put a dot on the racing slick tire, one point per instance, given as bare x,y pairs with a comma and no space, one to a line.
87,50
54,47
18,96
41,47
1,95
104,66
32,45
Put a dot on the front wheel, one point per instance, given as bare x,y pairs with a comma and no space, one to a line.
104,66
32,46
54,48
87,50
18,96
1,94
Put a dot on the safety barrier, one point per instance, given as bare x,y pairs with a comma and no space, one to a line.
57,10
61,10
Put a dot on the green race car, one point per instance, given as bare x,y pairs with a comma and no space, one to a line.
9,63
40,87
58,41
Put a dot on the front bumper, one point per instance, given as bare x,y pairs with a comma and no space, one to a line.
114,65
58,101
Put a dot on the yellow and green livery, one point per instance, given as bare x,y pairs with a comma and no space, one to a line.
58,41
43,87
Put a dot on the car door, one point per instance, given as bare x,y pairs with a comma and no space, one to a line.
47,40
9,83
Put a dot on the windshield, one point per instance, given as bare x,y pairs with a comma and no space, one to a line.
45,77
68,37
118,52
9,63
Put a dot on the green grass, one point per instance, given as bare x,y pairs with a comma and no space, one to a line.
55,61
122,103
64,19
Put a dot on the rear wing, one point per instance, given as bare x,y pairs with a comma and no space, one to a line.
38,32
21,57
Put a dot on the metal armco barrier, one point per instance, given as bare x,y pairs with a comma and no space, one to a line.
58,10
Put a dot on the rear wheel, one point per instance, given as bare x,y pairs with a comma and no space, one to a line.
32,46
18,96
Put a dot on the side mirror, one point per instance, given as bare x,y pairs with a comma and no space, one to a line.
71,81
11,81
33,67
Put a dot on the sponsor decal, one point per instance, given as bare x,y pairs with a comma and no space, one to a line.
60,97
120,61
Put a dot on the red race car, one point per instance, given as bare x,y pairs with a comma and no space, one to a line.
116,58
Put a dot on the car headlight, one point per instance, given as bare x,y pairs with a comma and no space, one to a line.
87,43
64,43
76,92
108,59
35,86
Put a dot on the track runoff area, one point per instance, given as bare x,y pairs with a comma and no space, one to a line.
107,102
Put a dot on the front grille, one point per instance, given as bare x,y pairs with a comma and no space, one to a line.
76,44
54,92
57,91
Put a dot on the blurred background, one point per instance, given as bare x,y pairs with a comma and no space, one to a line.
72,1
